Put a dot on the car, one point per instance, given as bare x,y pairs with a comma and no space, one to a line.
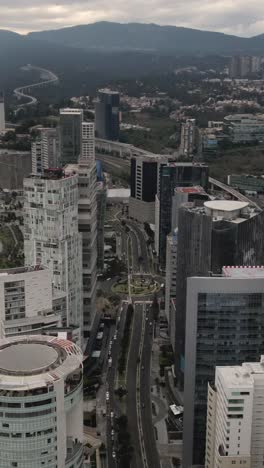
146,318
112,432
113,454
150,323
112,415
108,279
142,367
143,405
110,344
107,396
115,336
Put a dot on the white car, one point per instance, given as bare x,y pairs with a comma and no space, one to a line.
115,336
112,415
113,454
107,396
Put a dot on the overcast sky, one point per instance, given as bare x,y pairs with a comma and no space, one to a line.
240,17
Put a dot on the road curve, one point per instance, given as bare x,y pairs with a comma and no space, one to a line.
22,91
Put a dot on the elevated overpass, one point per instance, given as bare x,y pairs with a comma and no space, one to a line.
48,78
233,192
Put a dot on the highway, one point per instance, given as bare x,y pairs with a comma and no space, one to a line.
148,434
142,246
110,386
48,78
132,384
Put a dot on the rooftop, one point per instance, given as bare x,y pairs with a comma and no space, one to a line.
196,189
243,271
20,270
241,376
226,205
107,91
29,362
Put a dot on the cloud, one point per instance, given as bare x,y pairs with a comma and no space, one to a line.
241,17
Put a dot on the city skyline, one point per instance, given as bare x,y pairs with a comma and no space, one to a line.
239,18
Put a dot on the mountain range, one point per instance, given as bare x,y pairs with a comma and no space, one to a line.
88,56
150,37
107,36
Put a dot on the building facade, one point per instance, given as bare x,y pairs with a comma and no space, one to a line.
2,112
145,181
44,150
51,236
70,134
247,183
28,302
87,222
235,417
224,326
107,114
209,237
189,138
244,128
171,176
41,403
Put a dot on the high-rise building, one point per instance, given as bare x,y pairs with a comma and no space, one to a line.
145,180
51,236
242,66
171,277
189,138
209,237
101,210
235,417
28,302
44,150
70,129
175,175
87,222
2,112
42,403
107,114
224,326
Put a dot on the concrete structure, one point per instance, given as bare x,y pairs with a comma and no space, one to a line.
224,326
87,222
70,134
51,236
249,183
14,167
2,113
189,137
87,156
222,233
235,417
171,276
44,150
28,302
101,210
244,128
242,66
145,182
41,403
107,114
175,175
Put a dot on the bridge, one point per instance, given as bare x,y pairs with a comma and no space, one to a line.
119,150
49,78
233,192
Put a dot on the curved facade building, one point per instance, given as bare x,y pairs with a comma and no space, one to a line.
41,413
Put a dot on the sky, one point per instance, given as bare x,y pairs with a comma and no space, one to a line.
239,17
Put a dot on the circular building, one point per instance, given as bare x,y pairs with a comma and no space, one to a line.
41,413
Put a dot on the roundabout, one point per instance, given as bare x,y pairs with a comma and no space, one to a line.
139,286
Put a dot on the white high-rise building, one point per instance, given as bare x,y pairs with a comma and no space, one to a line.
41,400
87,219
51,236
44,150
188,137
235,417
28,302
2,113
87,156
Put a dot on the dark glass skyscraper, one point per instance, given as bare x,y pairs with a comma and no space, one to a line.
171,176
107,115
70,135
210,237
